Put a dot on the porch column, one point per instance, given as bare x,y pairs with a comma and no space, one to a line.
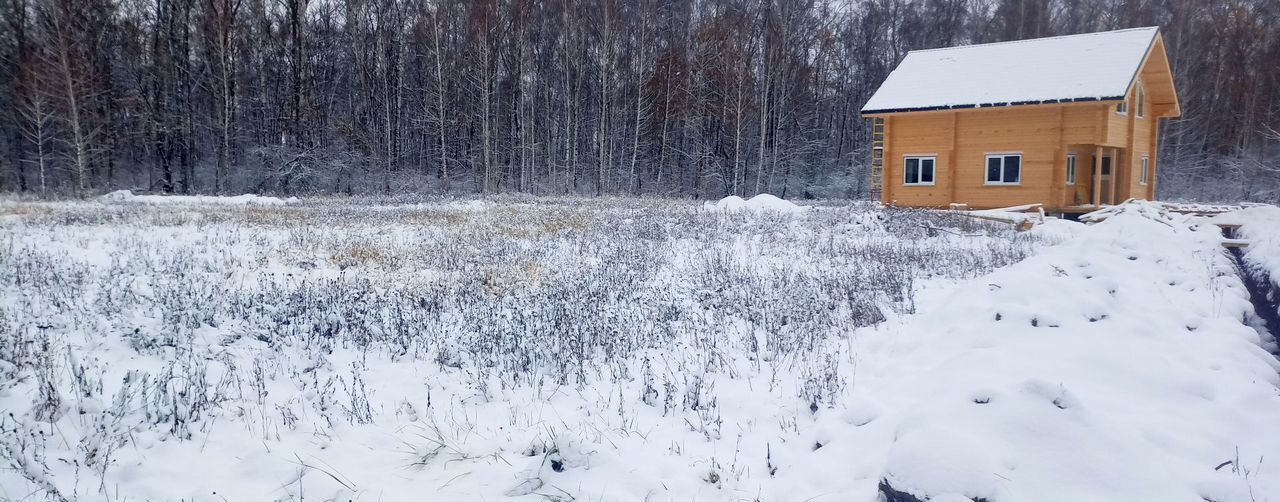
1115,174
1097,176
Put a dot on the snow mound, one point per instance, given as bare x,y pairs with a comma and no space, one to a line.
762,202
127,196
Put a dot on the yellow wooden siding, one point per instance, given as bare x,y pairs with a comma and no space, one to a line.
920,135
1080,192
1117,128
1031,132
1141,147
1080,124
1034,132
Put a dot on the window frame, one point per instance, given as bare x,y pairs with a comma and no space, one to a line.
1144,174
1122,108
986,162
932,157
1072,163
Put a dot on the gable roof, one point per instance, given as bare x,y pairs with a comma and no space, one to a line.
1089,67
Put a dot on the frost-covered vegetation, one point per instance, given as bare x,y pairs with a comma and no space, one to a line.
248,348
165,351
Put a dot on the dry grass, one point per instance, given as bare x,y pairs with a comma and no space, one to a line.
257,215
499,281
435,218
330,216
26,209
538,223
361,254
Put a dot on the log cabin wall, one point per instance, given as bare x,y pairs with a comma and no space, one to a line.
961,141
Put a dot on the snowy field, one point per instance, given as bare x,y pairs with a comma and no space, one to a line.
617,349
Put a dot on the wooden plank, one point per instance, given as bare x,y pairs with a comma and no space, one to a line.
1021,224
1019,209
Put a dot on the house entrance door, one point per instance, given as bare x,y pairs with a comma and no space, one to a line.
1105,182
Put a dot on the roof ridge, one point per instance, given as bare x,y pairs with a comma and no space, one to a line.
1010,42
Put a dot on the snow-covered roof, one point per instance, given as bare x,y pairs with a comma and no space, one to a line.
1088,67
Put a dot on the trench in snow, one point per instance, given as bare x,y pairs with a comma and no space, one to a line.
1264,293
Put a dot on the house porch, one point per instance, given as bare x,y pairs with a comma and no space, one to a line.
1100,178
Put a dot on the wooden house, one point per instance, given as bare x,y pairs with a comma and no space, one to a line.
1069,122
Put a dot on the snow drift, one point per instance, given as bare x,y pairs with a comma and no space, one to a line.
1112,367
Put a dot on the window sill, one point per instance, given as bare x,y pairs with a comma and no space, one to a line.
990,184
919,184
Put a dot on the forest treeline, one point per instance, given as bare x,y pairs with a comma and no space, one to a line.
679,98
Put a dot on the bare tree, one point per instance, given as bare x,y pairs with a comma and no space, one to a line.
37,129
219,29
561,96
72,80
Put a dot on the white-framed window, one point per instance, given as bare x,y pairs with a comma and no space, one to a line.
1141,103
1004,168
1122,107
1071,169
1145,174
919,170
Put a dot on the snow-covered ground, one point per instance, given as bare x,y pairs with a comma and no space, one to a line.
623,350
1112,367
